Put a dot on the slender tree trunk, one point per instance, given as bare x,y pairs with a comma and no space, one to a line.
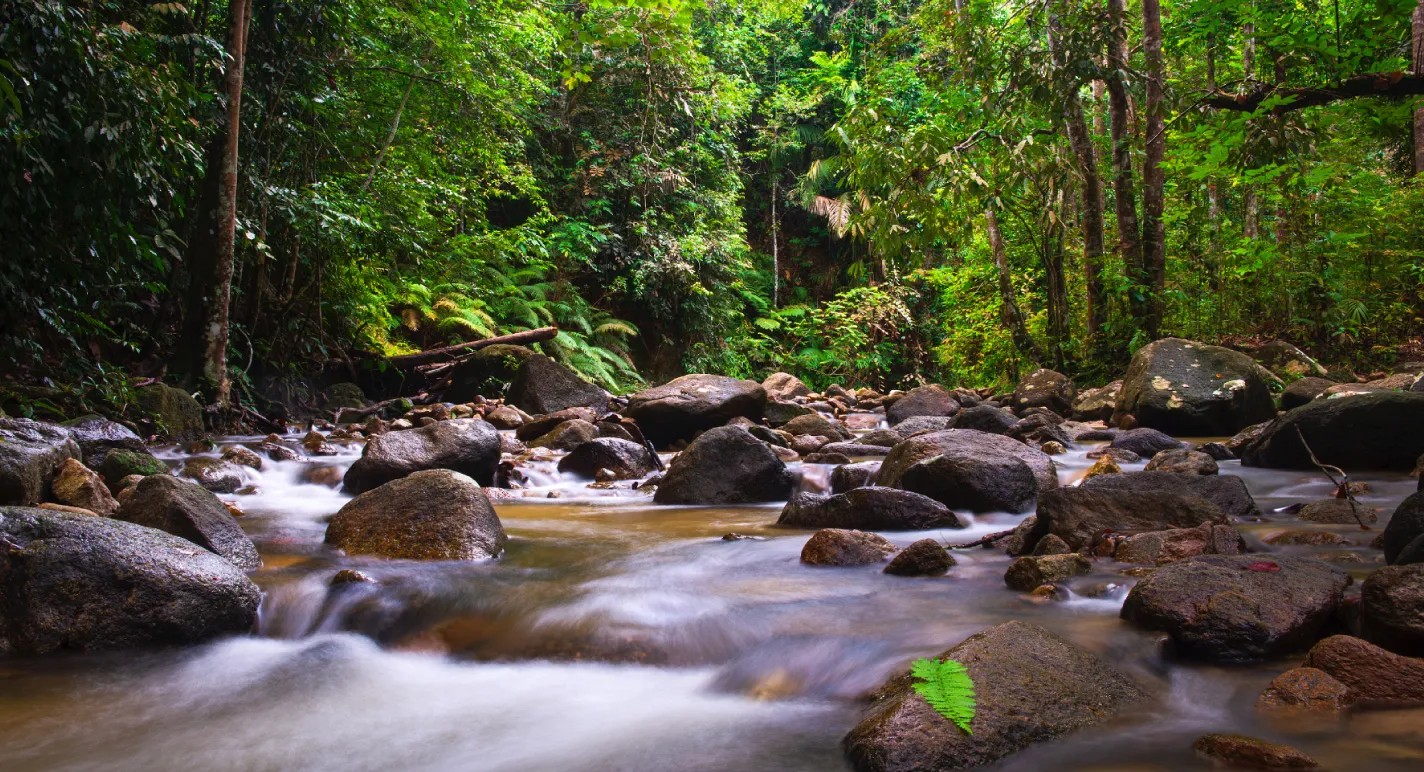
1251,217
775,257
1154,247
1125,198
1213,191
391,136
1418,48
1009,313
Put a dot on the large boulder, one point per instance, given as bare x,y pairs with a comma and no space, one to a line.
1190,389
1287,362
542,385
486,373
1227,492
466,445
566,436
215,474
841,547
627,460
1145,442
81,583
1392,609
534,428
79,486
922,424
816,424
1030,571
1047,389
1080,516
726,465
993,483
191,512
784,387
1375,678
1030,686
1097,404
932,400
869,508
1303,391
984,418
684,406
925,557
119,464
964,442
178,415
1363,432
1404,527
435,514
1238,607
97,436
30,453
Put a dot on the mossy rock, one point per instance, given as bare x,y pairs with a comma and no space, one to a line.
341,395
178,414
121,463
488,372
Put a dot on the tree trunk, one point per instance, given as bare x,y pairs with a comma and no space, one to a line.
1418,48
1009,313
390,137
1251,217
1126,200
775,258
1213,192
1154,247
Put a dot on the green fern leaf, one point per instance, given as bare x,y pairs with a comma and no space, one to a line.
947,687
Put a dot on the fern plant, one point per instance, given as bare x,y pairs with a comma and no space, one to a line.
947,687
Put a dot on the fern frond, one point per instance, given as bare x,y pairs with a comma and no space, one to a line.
947,687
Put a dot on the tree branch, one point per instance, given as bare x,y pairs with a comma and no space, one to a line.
1383,84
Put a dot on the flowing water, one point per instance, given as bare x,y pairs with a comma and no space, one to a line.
616,635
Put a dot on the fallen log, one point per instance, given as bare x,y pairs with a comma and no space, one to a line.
451,352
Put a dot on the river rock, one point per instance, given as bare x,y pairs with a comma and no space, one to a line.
96,436
627,460
840,547
487,372
921,424
1097,404
854,449
1376,678
1286,361
506,417
984,418
965,442
925,557
680,408
992,483
178,415
80,583
30,454
1365,432
1104,465
535,427
214,474
784,387
1238,607
817,424
1234,750
1046,389
79,486
1228,492
1190,389
1039,429
191,512
241,456
119,464
1030,571
726,465
850,476
466,445
567,435
869,508
1303,689
781,413
1162,547
1337,512
931,400
1080,515
1404,527
544,386
1145,442
433,514
1303,392
1183,461
1030,686
1392,609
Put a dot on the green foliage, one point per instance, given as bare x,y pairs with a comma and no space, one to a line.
947,687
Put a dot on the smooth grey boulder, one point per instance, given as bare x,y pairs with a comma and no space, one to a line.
682,407
191,512
1080,516
469,446
1381,431
433,514
1047,389
726,465
1227,492
1392,609
992,483
30,453
1190,389
542,385
966,442
1145,442
869,508
627,460
932,400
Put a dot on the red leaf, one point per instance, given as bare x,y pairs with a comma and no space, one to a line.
1263,566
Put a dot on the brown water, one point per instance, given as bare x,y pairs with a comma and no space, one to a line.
615,635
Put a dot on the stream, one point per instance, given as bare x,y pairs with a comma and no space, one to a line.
618,635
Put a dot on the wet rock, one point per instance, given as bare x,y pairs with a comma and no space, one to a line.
1046,389
1303,392
958,480
214,474
984,418
79,486
1183,461
1366,432
1039,429
240,456
279,452
626,460
680,408
1227,492
823,457
1392,609
1303,689
330,476
466,445
780,413
505,417
119,464
534,428
85,584
854,449
1404,527
850,476
487,372
1303,538
817,424
1338,512
726,465
870,508
1051,545
434,514
1118,455
1236,750
1286,361
886,438
1217,451
350,576
1029,572
921,424
806,444
567,435
1145,442
932,400
617,430
965,442
189,512
1190,389
784,387
1080,516
1053,448
30,454
1104,465
96,436
1376,678
544,386
1097,404
1162,547
840,547
1238,607
1030,686
1238,442
178,415
925,557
